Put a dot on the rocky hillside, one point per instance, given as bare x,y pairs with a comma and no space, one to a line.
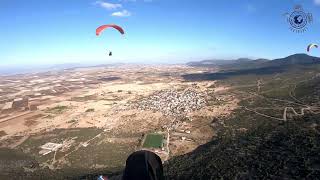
284,150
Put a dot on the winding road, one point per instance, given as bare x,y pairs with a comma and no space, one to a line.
296,101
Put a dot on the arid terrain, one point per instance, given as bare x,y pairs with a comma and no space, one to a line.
202,120
95,117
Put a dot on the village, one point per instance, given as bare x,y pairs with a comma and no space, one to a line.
129,107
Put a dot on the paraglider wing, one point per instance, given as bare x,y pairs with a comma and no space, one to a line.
103,27
312,46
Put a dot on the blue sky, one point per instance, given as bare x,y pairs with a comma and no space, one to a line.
157,31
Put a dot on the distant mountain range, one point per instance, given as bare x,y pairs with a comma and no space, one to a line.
237,64
245,63
218,62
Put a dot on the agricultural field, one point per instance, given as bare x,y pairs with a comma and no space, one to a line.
153,141
89,120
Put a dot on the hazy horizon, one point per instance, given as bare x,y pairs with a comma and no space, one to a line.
35,68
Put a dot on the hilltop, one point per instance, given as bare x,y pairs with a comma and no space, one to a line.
245,63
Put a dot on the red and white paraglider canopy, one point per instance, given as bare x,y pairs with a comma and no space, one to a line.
103,27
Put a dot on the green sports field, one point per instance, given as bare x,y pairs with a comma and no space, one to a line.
153,141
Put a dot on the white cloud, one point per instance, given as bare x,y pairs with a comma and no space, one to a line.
109,6
317,2
123,13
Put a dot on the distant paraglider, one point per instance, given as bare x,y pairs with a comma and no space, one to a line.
103,27
100,29
312,46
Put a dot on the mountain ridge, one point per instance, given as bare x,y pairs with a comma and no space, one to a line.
245,63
